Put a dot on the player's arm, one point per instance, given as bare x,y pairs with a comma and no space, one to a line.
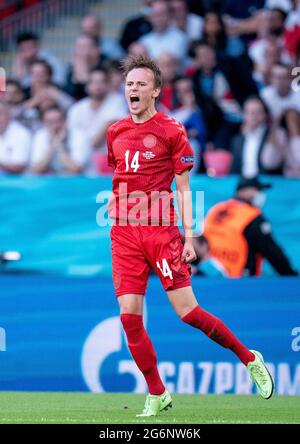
186,214
183,161
110,156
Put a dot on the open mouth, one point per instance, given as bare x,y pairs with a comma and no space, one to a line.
134,99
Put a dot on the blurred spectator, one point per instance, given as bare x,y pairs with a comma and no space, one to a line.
242,18
237,70
271,27
239,235
28,50
246,18
42,93
86,57
137,26
205,264
58,150
191,117
215,35
96,112
249,145
115,77
116,80
214,97
189,23
164,37
43,88
91,25
262,70
169,67
280,96
286,150
15,143
137,48
14,97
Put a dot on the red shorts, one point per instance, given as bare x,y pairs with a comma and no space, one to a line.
137,248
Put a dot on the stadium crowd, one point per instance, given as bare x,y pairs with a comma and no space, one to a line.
231,76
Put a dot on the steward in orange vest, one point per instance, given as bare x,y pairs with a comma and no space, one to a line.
240,237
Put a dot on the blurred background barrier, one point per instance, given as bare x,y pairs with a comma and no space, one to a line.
52,221
65,334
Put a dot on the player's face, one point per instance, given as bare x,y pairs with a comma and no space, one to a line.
140,90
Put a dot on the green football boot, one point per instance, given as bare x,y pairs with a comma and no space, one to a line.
260,375
156,403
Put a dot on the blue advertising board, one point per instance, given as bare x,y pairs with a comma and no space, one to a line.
53,221
64,334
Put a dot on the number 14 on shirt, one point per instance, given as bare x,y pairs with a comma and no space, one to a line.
134,165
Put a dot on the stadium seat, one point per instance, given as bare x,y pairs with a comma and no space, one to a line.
218,162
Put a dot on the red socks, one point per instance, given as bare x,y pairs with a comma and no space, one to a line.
216,330
142,351
144,355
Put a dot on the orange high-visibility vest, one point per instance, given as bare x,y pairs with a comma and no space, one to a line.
223,227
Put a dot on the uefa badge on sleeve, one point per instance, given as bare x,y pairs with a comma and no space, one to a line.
187,159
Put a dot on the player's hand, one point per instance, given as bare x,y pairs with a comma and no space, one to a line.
188,253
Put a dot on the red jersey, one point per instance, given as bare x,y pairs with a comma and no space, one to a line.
145,158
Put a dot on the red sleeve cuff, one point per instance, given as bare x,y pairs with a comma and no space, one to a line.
183,167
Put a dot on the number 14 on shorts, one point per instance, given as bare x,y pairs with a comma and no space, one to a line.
164,268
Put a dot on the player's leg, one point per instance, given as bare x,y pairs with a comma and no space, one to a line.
187,308
189,311
139,343
131,304
130,276
143,353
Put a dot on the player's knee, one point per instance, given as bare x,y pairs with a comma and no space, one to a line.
183,300
183,309
130,304
129,309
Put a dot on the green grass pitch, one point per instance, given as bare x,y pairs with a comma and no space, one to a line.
121,408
